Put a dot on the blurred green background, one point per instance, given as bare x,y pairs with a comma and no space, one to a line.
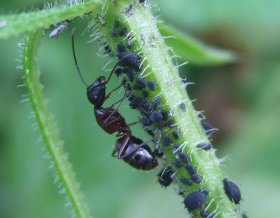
242,100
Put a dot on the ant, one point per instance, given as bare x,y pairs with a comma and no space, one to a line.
128,147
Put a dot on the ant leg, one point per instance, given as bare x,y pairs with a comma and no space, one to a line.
132,151
137,147
124,146
110,93
118,102
133,123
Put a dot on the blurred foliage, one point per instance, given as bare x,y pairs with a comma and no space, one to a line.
242,100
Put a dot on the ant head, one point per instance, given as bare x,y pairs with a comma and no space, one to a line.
96,91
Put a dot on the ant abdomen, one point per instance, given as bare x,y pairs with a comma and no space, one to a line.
142,159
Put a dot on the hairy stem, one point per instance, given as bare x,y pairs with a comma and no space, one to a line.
16,24
49,131
157,66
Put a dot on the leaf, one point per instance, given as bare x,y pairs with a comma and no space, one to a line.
194,51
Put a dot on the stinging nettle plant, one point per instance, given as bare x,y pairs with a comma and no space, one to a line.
156,91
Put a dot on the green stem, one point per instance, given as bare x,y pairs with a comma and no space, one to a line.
160,68
14,25
48,129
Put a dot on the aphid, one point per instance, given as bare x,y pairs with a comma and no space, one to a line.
116,23
118,71
156,116
156,152
156,101
58,29
190,168
114,33
165,176
151,85
183,107
108,50
232,191
129,148
123,31
195,200
129,73
145,94
185,181
165,139
148,107
196,178
176,133
204,146
177,163
146,122
171,123
207,127
183,158
121,47
129,59
141,82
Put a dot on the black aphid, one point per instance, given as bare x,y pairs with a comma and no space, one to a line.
145,94
176,133
148,107
116,23
177,163
165,139
207,127
121,47
185,181
151,85
129,73
129,59
195,200
114,33
165,176
108,50
232,191
123,31
156,116
171,123
118,71
183,158
196,178
190,168
205,146
141,82
156,101
183,107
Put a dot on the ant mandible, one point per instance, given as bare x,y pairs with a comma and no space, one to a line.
127,147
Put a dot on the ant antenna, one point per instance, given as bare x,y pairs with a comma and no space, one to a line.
75,58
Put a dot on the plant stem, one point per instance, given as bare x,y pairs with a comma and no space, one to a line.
49,131
158,67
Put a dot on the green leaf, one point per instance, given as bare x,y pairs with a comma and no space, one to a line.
194,51
14,25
